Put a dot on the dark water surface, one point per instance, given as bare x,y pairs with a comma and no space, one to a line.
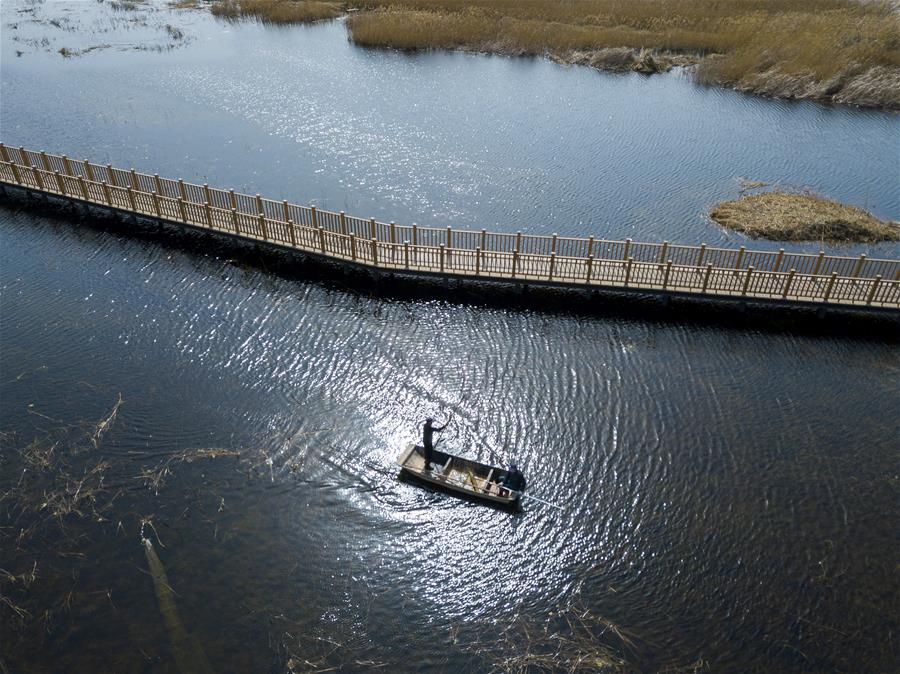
729,496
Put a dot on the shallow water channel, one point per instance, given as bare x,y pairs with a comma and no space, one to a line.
728,496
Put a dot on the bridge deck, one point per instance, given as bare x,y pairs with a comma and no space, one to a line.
567,261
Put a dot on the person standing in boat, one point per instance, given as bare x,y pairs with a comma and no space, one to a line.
428,431
514,480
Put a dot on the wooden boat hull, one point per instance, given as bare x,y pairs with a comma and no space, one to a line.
457,475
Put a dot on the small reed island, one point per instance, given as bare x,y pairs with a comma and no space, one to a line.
786,216
840,51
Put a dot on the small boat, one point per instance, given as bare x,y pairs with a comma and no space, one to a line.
459,475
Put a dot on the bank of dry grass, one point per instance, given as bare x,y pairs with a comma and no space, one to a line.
278,11
838,50
786,216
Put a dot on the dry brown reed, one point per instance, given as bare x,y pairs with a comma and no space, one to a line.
787,216
278,11
840,50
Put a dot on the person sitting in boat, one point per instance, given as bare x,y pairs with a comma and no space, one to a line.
428,431
513,480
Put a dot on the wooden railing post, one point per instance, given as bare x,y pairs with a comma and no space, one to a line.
207,197
374,251
156,207
627,249
262,226
134,181
406,254
478,261
442,259
206,207
393,232
259,204
291,233
235,222
353,247
859,265
553,243
590,266
182,209
16,174
747,280
666,274
706,277
343,220
787,283
628,266
60,184
287,210
483,239
415,234
67,165
158,182
740,257
819,259
182,190
778,259
830,286
663,252
314,216
552,265
4,154
46,162
875,285
131,199
449,237
373,229
23,153
233,199
590,250
84,189
515,262
107,193
701,255
89,170
37,177
322,239
518,241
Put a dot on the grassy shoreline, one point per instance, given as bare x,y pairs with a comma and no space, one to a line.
840,51
789,216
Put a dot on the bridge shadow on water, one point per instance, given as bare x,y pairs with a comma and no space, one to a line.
591,303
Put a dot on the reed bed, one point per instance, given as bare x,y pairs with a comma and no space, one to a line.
278,11
786,216
840,50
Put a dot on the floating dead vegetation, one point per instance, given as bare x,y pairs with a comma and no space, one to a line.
174,32
790,216
155,477
571,639
125,5
104,424
74,29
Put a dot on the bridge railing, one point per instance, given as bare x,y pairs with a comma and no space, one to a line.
575,260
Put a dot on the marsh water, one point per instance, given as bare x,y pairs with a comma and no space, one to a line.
727,497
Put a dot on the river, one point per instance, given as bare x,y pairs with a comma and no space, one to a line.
728,497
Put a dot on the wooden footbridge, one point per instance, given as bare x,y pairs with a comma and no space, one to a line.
576,262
